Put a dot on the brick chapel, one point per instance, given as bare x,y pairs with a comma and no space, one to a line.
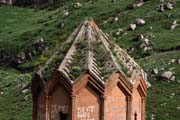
89,78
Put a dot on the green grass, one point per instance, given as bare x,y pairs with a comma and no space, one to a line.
12,103
161,92
21,27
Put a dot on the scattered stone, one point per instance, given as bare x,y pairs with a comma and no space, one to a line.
173,78
140,4
174,22
178,81
29,56
120,32
155,71
22,56
161,8
147,49
77,5
105,22
24,86
131,6
166,6
169,6
1,92
178,61
135,5
173,94
132,27
171,97
39,47
142,45
146,41
141,37
140,22
66,12
152,117
131,50
163,104
167,114
174,26
25,91
26,98
173,60
170,69
148,85
62,25
116,19
167,75
41,40
113,1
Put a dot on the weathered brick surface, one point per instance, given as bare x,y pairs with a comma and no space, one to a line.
115,105
60,101
136,105
41,108
87,101
87,105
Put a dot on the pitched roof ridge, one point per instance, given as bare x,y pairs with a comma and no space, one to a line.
107,47
71,52
91,59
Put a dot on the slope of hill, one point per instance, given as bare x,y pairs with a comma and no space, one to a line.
15,98
20,28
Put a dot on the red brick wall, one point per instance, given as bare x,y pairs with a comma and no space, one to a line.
60,102
136,105
87,105
115,104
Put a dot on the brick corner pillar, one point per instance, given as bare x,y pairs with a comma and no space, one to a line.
102,107
129,107
143,109
47,107
34,111
73,97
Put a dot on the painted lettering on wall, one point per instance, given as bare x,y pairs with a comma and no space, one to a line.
55,109
84,113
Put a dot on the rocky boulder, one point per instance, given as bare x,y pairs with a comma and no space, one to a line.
77,5
174,25
132,27
1,92
66,12
140,22
155,71
178,61
165,6
168,76
169,6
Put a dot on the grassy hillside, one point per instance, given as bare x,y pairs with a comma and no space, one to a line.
14,104
21,27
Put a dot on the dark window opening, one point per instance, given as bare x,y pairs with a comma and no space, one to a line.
135,116
62,116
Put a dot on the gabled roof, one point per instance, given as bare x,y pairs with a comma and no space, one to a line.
89,49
